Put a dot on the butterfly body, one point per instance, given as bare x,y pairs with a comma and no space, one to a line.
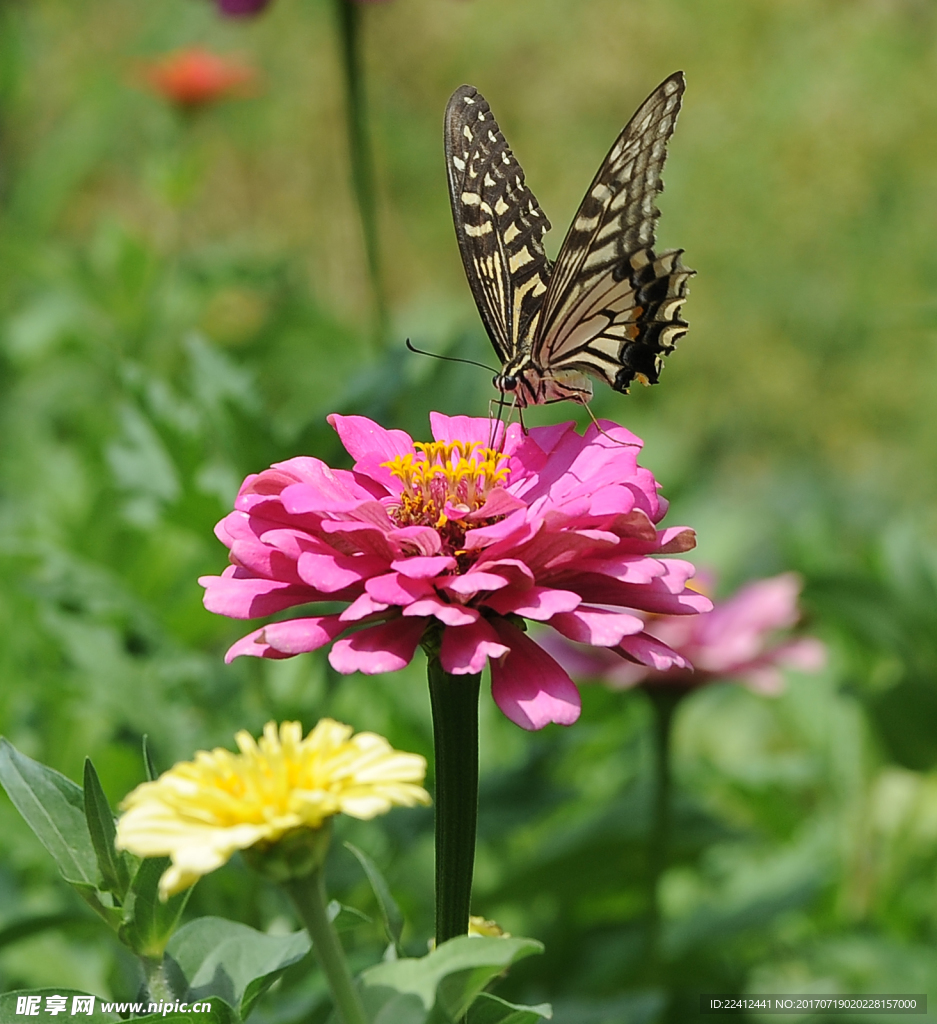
609,308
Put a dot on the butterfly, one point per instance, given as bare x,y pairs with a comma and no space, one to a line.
610,306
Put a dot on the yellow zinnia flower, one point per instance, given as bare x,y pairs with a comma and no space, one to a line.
201,812
480,927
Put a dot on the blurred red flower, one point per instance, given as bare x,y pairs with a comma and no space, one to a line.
195,77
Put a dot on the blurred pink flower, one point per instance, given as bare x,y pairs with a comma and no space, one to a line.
553,527
196,77
741,638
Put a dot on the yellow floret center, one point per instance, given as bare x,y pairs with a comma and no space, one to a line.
441,475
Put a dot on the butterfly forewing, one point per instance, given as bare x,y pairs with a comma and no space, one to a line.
499,224
613,305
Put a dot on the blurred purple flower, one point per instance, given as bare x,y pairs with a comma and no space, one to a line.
741,639
241,8
251,8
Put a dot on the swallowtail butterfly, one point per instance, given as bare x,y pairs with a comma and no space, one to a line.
609,306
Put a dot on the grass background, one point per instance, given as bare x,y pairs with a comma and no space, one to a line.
182,301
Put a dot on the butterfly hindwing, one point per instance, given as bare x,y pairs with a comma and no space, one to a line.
499,224
613,305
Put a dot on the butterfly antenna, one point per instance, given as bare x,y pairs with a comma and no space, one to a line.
602,430
449,359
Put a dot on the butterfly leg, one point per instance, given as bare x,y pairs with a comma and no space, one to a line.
598,426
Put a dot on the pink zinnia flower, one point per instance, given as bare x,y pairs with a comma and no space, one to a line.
553,527
196,77
742,638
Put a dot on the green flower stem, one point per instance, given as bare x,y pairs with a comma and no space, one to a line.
664,702
362,161
309,896
455,739
158,987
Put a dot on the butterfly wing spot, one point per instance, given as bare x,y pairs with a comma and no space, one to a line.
519,259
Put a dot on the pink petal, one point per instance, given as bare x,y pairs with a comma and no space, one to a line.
805,653
371,446
364,438
363,607
393,588
349,537
638,569
331,573
552,552
328,490
515,526
648,650
251,598
540,603
423,567
464,428
516,572
498,503
597,626
655,596
416,540
253,645
548,439
528,685
450,614
298,636
385,648
465,649
265,561
472,583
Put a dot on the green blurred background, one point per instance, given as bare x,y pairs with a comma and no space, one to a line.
184,298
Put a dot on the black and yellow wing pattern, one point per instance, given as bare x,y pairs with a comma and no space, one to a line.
610,308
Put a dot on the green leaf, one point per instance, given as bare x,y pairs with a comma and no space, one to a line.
149,764
489,1009
100,821
10,1000
53,807
445,982
215,957
26,927
148,923
345,918
390,912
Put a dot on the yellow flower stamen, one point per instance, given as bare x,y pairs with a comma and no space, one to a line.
440,474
